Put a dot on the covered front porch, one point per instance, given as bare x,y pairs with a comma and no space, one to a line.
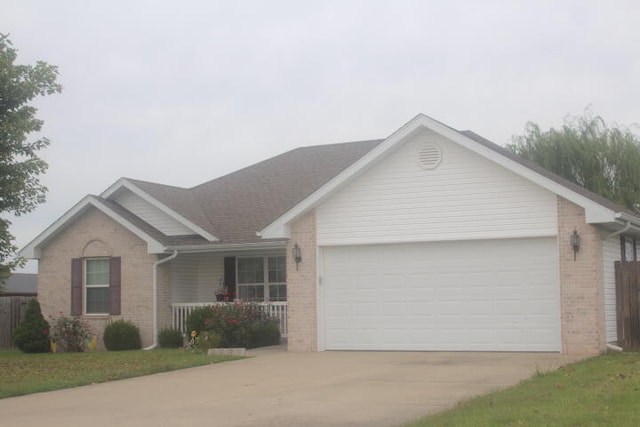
199,279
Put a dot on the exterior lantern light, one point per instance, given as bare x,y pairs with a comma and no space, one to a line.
296,252
575,243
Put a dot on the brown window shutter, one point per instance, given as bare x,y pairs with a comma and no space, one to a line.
76,286
114,285
230,274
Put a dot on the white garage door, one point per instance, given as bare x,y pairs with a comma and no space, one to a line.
498,295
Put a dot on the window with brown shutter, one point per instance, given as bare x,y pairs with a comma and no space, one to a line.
95,286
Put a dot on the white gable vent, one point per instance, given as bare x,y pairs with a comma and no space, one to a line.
430,155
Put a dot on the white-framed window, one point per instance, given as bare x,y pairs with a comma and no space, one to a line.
96,283
262,278
628,248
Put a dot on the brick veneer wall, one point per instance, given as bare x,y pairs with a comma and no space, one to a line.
301,287
95,234
163,284
581,283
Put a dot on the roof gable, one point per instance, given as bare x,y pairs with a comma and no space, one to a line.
174,203
114,211
597,209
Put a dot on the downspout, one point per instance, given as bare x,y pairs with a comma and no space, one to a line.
155,298
622,230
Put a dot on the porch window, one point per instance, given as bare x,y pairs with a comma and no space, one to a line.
97,285
628,246
262,279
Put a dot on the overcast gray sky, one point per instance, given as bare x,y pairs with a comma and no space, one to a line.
183,92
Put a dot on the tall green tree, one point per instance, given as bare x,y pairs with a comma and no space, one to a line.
20,166
585,150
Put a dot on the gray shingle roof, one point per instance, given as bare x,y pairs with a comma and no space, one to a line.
236,206
22,284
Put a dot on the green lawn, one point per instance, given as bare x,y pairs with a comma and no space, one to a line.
31,373
603,391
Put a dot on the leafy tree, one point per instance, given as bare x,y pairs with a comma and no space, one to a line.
20,166
603,159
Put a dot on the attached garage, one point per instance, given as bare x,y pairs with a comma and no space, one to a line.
482,295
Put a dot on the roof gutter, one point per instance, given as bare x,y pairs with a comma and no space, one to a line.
229,247
155,298
628,220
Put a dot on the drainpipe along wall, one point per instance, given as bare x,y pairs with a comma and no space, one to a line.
155,298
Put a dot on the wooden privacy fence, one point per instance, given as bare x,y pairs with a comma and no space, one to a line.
628,304
12,311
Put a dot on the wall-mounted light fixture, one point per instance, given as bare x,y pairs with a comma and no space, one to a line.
296,252
575,243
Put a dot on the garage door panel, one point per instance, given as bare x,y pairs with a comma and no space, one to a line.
481,295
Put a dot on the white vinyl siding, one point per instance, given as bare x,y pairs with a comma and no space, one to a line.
611,254
495,295
196,277
465,197
152,214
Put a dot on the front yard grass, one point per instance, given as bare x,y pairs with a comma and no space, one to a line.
603,391
22,373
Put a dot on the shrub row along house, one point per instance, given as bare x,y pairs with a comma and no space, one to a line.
430,239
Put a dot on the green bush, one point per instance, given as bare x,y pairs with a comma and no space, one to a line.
208,339
170,338
122,335
197,319
265,334
32,334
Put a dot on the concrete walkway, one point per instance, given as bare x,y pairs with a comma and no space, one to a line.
277,388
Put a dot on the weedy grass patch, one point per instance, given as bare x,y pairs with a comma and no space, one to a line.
22,373
603,391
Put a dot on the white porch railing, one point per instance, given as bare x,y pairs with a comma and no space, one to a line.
180,312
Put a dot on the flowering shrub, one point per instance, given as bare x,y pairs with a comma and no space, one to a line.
70,334
236,323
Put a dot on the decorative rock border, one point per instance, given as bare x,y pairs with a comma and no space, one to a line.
226,351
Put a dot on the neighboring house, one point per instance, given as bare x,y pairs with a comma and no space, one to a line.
431,239
21,285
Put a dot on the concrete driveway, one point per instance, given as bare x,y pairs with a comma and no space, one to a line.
277,388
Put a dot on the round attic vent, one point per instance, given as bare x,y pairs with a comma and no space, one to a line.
430,155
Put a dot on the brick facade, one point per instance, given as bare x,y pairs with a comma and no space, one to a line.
94,234
301,287
581,283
